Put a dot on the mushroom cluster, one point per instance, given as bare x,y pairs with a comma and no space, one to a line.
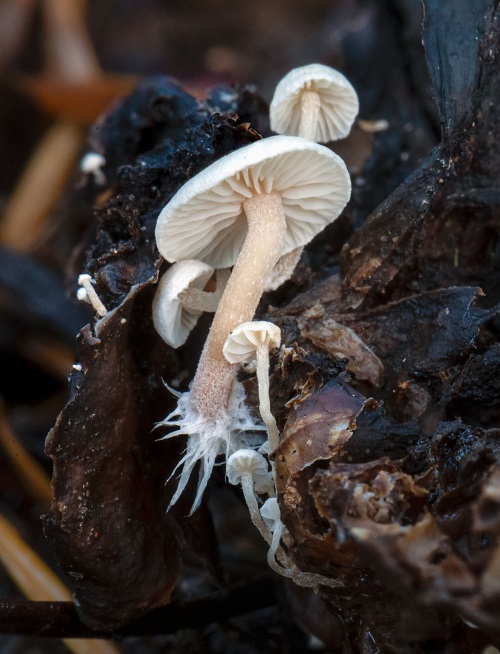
249,468
246,211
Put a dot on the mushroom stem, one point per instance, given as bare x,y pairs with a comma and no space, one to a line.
251,501
264,402
310,104
195,298
275,551
92,297
260,252
284,566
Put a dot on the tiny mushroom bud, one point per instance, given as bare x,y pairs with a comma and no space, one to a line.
252,341
246,210
82,295
264,448
91,164
244,467
88,294
180,300
315,102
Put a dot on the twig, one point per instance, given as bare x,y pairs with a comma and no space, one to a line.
40,186
33,477
36,580
69,51
60,619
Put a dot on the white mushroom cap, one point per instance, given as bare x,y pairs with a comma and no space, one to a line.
82,295
91,162
270,512
172,320
264,448
338,107
243,462
205,219
243,342
249,341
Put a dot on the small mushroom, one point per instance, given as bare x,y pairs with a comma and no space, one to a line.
278,560
244,467
246,210
251,341
247,467
91,164
271,515
315,102
180,299
88,294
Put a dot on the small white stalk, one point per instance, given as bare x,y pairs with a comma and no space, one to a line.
90,295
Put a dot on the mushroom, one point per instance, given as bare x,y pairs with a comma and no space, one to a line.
315,102
244,467
180,299
271,515
91,164
278,560
88,294
247,467
248,210
251,341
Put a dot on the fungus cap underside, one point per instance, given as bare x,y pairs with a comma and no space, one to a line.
205,219
339,104
243,342
173,321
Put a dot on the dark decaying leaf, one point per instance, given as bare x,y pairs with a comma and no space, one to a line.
413,341
318,428
107,522
342,342
479,379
